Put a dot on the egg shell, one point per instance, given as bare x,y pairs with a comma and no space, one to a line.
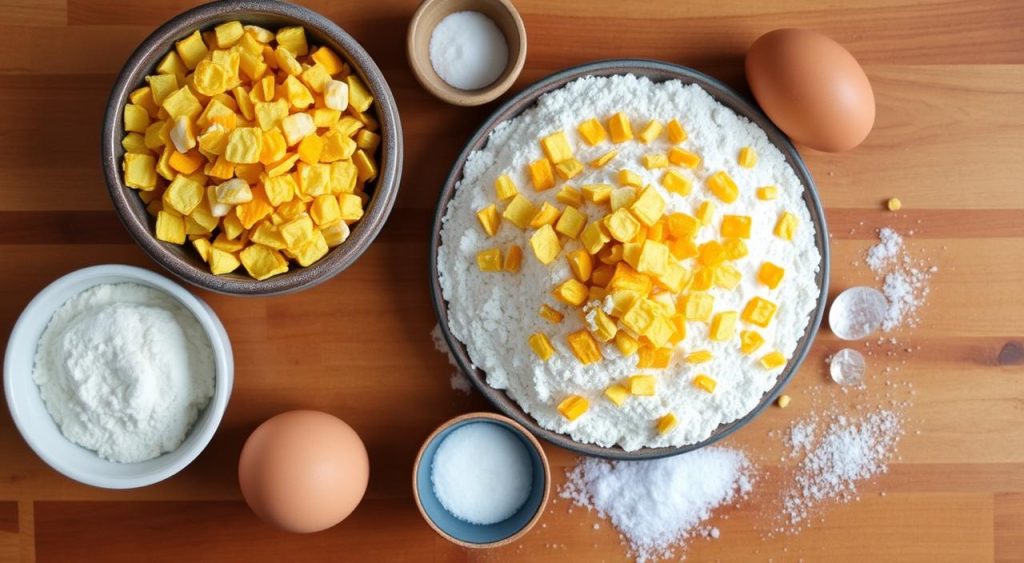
303,471
812,88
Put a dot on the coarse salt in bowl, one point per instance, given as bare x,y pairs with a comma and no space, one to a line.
34,421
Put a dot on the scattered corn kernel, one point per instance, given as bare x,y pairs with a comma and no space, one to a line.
584,347
723,326
489,260
650,131
541,346
568,169
783,401
699,306
699,356
676,133
520,211
676,183
747,157
597,193
581,264
619,128
489,219
681,157
666,423
648,207
505,188
556,147
569,195
759,311
617,394
894,204
654,161
723,186
545,244
513,259
706,212
785,228
571,292
736,226
704,383
605,158
550,314
750,341
773,360
770,274
642,384
573,406
766,193
592,132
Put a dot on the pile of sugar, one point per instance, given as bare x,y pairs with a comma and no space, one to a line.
656,505
835,457
494,314
468,51
456,379
904,280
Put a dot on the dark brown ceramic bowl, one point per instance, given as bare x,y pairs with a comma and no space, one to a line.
657,71
182,260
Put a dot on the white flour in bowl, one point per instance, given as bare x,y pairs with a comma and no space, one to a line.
494,314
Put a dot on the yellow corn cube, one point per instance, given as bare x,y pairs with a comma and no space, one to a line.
337,146
547,215
750,341
136,118
616,394
191,49
244,145
711,253
505,188
489,219
627,177
727,276
366,167
183,195
541,346
621,225
592,132
314,179
894,204
766,193
581,264
642,384
317,78
326,117
296,127
653,258
619,127
597,193
605,158
770,274
785,228
660,332
703,279
296,93
222,262
654,161
312,251
734,248
676,133
550,314
699,306
223,243
280,189
325,210
626,344
604,327
336,95
228,33
266,233
571,222
331,62
545,244
161,86
203,248
699,356
666,423
704,383
556,147
170,228
783,401
641,316
182,103
573,406
723,326
683,248
569,195
674,278
759,311
568,169
513,259
520,211
593,237
139,171
747,157
676,183
628,279
681,225
263,262
706,212
351,207
650,131
310,149
293,39
584,347
297,232
723,186
682,157
773,360
541,174
736,226
649,206
489,260
359,97
233,192
571,292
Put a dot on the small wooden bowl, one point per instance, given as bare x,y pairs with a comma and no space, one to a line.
475,535
426,18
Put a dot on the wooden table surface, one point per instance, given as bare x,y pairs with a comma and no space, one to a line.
949,82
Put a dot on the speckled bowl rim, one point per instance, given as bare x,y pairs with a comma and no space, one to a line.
130,209
657,71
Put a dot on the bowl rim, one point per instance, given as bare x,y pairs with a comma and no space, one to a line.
386,184
493,418
448,93
723,94
223,359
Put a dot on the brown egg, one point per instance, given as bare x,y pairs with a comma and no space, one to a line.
812,88
303,471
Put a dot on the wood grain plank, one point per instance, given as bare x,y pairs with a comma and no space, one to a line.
8,516
34,13
1009,527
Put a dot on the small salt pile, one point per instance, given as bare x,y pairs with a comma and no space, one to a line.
468,51
904,281
482,473
656,505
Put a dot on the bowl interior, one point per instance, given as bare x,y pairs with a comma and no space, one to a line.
431,12
42,433
657,71
182,260
461,530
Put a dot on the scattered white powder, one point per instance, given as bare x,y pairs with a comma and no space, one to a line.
482,473
656,505
494,314
124,370
904,280
850,449
456,379
468,51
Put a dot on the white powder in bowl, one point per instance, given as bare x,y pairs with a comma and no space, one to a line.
468,51
494,314
124,370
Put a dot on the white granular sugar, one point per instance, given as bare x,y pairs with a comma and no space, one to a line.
656,505
904,280
494,314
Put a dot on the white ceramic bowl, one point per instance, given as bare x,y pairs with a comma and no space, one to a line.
42,433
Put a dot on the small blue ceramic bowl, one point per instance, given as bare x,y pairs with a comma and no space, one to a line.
476,535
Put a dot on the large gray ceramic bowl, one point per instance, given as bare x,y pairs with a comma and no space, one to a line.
182,260
658,72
